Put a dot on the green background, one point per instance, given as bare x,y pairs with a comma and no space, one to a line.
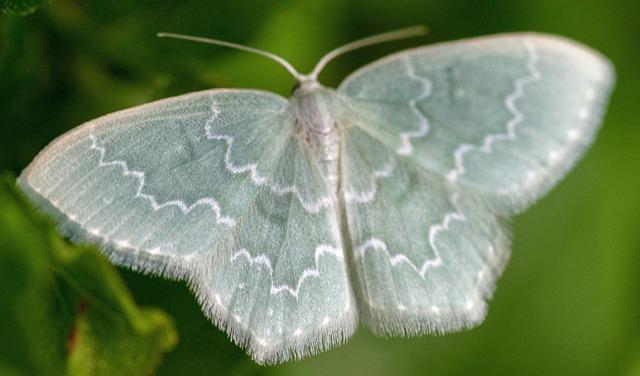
569,301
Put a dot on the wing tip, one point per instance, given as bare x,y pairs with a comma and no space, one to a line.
433,320
313,343
133,259
520,197
265,352
410,324
438,319
589,57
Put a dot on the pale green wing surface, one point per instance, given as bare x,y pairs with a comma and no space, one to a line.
426,255
211,187
504,116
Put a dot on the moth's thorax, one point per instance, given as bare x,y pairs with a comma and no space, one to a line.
314,121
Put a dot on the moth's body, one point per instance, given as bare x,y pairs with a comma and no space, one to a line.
382,201
317,126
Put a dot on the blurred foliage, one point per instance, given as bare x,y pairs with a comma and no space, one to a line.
65,308
19,6
633,368
569,302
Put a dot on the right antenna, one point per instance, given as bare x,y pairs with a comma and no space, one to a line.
414,31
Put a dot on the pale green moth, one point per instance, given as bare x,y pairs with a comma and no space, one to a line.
385,200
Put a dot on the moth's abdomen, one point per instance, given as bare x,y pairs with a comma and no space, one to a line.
317,128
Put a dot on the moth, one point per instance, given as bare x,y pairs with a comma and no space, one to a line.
384,201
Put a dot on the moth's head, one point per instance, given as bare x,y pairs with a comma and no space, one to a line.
308,82
305,86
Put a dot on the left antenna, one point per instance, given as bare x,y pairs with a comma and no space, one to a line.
299,77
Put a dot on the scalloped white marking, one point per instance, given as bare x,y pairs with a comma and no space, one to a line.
378,244
369,195
256,178
434,230
264,261
120,244
140,176
533,75
423,128
555,157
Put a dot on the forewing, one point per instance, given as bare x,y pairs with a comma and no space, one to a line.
214,188
426,255
504,116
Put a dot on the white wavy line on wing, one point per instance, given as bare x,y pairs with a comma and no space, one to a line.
423,129
264,260
434,230
140,176
375,243
368,196
256,178
456,215
533,75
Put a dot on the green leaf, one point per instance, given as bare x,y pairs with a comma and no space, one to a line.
19,6
64,308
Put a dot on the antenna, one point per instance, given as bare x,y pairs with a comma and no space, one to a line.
408,32
413,31
299,77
